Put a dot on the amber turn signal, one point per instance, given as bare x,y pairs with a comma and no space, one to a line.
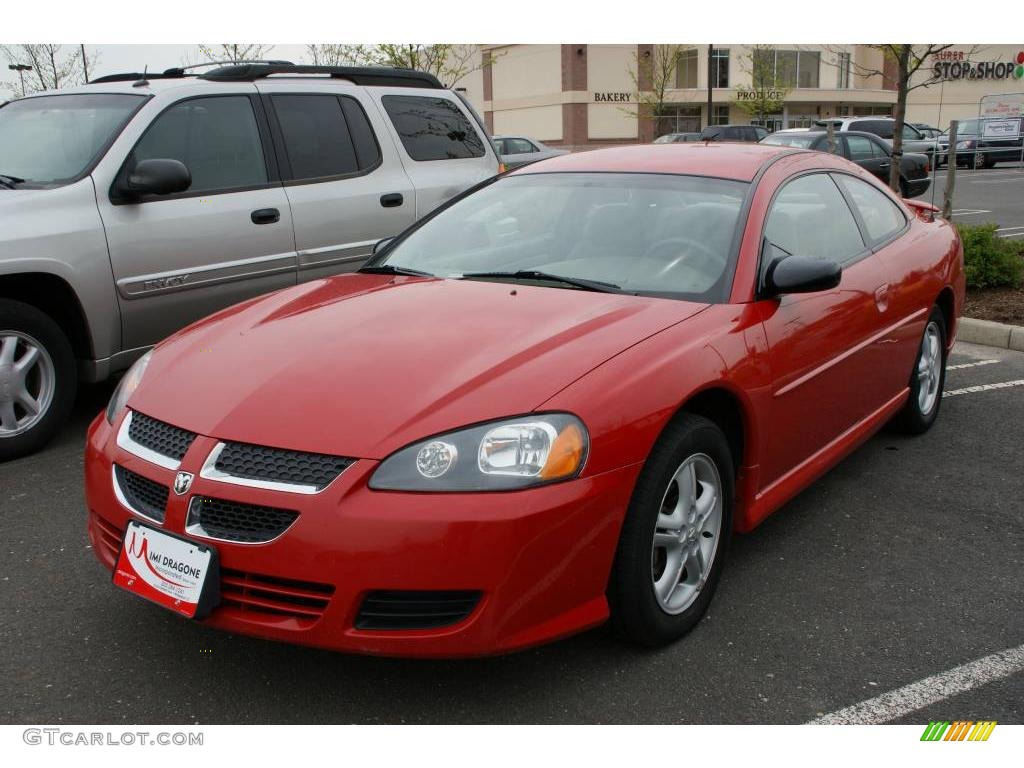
566,454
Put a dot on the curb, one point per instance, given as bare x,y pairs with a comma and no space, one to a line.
991,334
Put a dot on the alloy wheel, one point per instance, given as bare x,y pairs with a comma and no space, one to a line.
27,382
929,368
686,533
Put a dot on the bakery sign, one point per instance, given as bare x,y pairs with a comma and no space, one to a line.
954,65
612,96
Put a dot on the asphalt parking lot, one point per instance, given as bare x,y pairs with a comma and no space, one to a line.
986,195
902,562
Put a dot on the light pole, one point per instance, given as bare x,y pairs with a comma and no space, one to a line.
21,69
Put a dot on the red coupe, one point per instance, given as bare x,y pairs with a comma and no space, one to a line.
547,405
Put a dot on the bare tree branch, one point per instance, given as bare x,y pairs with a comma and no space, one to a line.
53,66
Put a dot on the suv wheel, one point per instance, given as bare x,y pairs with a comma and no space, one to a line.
37,379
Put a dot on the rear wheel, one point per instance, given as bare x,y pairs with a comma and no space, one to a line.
674,539
927,378
37,379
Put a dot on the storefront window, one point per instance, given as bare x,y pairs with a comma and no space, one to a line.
679,120
786,69
686,69
808,65
843,66
719,67
721,115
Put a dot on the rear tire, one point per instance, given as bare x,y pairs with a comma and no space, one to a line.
673,543
37,379
926,379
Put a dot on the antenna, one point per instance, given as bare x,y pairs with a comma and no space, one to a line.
144,81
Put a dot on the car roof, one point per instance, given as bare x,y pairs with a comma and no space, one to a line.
720,160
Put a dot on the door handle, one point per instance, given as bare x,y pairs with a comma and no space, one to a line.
392,200
265,216
882,297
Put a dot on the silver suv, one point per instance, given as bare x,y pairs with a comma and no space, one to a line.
137,204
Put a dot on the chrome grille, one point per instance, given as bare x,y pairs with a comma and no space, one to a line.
159,437
141,494
235,521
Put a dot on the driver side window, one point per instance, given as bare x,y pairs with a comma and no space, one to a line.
810,217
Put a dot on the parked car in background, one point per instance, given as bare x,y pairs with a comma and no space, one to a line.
870,152
748,133
136,204
928,131
674,138
547,406
981,143
885,127
520,150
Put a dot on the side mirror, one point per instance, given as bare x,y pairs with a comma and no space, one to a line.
802,274
157,177
380,245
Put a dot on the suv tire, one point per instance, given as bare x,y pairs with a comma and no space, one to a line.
37,379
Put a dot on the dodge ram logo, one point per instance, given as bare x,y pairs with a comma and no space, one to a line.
182,482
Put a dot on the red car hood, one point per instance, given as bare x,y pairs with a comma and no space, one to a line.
362,365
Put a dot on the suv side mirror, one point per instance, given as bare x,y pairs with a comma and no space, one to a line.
157,177
802,274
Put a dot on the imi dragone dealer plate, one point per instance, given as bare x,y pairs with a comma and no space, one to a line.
174,572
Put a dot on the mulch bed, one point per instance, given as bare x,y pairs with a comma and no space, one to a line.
1003,305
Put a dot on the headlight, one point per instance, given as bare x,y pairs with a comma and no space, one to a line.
498,456
127,386
966,144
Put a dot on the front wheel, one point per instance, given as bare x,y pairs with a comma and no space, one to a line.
927,378
37,379
675,536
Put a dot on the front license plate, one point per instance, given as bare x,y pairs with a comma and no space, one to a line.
172,571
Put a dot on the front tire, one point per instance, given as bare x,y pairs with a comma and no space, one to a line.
927,379
675,535
37,379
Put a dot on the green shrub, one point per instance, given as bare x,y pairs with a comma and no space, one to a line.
991,261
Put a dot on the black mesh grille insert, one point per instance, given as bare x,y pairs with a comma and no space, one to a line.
415,610
142,494
255,462
235,521
160,437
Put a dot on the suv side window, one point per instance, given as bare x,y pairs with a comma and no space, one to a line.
881,128
318,137
217,139
433,128
882,217
520,147
810,217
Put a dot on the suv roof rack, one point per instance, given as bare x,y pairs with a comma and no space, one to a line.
393,76
176,72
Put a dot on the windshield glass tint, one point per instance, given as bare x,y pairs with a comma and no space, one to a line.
49,140
647,233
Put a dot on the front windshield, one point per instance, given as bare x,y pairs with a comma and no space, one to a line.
50,140
803,140
645,233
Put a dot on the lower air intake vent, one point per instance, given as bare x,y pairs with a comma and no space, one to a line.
235,521
415,610
142,494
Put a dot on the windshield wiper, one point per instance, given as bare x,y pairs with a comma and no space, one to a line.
391,269
8,182
533,274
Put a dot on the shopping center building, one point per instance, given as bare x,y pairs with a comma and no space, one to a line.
583,96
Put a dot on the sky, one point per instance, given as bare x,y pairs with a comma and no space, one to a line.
134,58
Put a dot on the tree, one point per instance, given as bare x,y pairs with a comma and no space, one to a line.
448,62
908,60
653,73
767,91
235,52
53,66
329,55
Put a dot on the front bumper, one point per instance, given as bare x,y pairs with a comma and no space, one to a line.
540,557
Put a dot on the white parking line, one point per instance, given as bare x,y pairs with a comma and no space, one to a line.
983,388
910,698
1012,234
968,212
1007,229
970,365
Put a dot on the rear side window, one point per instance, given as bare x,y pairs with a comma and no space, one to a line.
215,137
322,138
881,128
882,217
863,148
432,128
809,217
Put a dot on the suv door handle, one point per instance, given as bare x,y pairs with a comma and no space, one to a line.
393,200
265,216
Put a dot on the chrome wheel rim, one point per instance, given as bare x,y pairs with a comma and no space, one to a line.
686,533
929,369
27,382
